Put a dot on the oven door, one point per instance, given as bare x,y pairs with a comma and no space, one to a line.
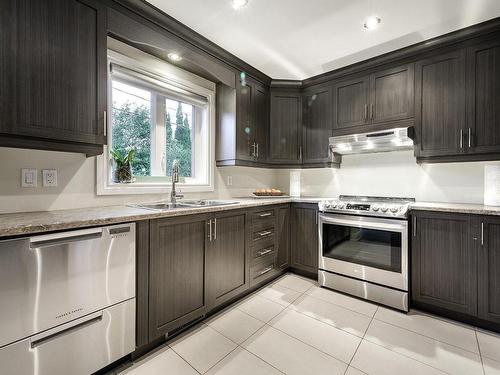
365,248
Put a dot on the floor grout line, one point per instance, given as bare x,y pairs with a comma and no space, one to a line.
185,360
480,354
220,360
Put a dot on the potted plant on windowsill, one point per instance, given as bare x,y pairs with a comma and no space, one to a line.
122,169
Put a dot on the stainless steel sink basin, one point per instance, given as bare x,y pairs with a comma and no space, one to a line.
207,202
163,206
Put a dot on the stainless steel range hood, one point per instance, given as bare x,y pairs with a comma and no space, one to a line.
381,141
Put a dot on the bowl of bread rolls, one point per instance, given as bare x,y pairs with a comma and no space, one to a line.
268,193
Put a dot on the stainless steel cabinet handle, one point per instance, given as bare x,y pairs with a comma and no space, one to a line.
470,136
258,150
209,223
268,269
63,238
264,252
264,233
414,226
105,123
300,153
461,138
366,112
265,214
482,234
215,229
372,112
54,333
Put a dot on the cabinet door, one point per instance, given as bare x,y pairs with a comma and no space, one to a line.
484,97
444,262
440,105
53,70
176,272
285,129
350,103
489,269
391,94
304,237
261,116
282,237
245,122
317,125
227,265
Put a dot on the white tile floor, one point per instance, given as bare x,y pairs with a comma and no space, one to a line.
295,327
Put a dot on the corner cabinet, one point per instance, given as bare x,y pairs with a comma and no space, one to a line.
317,125
53,75
304,237
285,140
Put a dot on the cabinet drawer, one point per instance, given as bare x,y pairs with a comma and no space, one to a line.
264,215
258,253
262,268
264,233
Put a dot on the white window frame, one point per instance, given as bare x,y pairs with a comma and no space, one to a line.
131,58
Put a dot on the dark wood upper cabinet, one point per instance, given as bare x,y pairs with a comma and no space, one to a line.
444,262
317,120
285,141
483,92
243,123
304,237
350,103
53,74
226,258
176,272
391,94
440,105
488,240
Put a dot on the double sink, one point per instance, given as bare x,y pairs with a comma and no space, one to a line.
164,206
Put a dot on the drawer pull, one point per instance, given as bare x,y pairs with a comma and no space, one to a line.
268,269
264,233
264,252
265,214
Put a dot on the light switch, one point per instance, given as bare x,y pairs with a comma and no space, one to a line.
49,177
29,177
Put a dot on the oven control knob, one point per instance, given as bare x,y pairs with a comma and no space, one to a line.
340,205
384,208
394,209
375,208
332,204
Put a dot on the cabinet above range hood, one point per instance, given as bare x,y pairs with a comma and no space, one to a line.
382,141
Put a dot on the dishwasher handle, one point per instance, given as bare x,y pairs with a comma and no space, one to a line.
64,238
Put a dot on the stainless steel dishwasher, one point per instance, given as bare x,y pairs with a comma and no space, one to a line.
67,301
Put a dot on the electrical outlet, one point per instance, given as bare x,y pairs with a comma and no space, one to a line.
49,177
229,180
29,177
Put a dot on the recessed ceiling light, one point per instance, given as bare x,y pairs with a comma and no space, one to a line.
372,22
174,56
238,4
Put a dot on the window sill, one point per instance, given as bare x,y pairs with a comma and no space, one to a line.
138,188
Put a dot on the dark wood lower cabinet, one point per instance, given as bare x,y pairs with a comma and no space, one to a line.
177,292
444,262
304,237
489,268
226,258
282,237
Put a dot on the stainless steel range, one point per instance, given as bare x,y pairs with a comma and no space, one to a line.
364,248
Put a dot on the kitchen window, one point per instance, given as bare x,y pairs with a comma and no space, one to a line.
163,114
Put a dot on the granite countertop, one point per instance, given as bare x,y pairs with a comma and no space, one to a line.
465,208
27,223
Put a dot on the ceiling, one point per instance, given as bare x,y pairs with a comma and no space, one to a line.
297,39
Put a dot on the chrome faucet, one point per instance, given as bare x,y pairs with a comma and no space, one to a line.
175,179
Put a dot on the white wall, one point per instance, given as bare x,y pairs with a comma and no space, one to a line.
76,182
396,174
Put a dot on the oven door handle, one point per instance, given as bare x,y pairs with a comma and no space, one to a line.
364,222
